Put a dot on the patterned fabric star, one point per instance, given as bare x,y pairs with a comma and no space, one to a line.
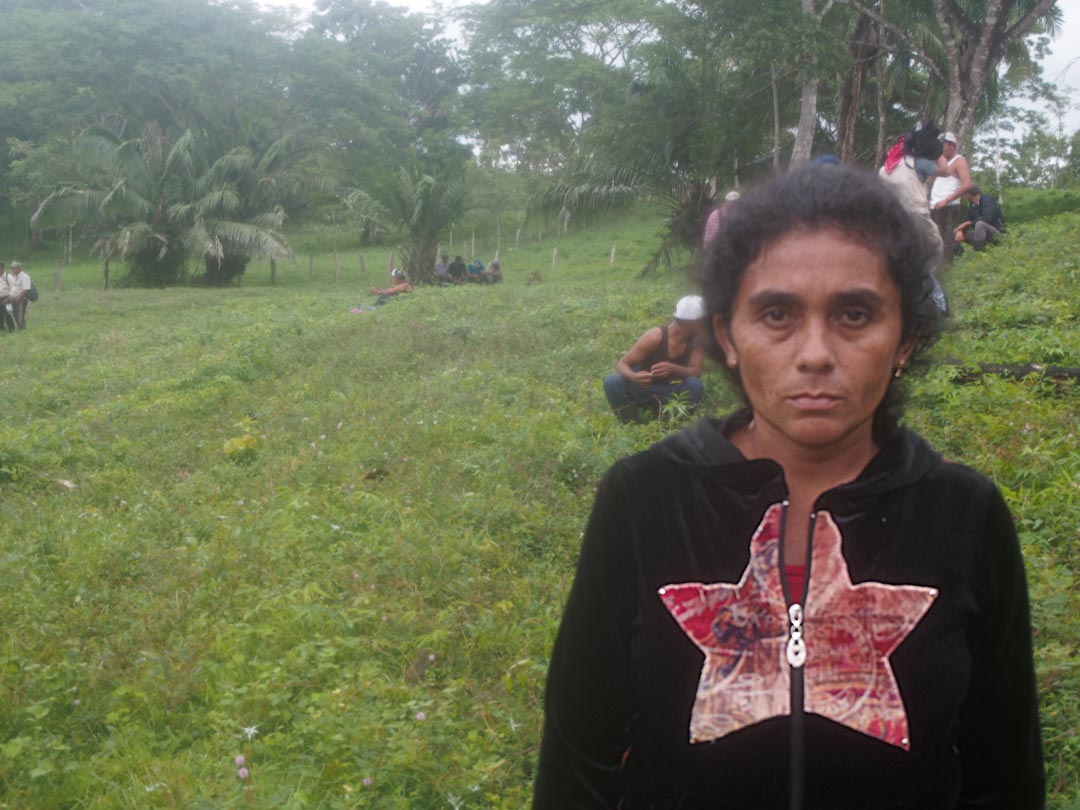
850,632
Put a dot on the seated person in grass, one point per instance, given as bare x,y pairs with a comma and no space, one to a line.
664,362
8,321
457,270
493,272
18,296
474,273
984,222
442,269
400,285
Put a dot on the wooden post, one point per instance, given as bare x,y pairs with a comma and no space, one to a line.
273,271
554,256
363,267
311,265
106,268
67,247
472,250
612,262
337,262
56,277
451,239
498,235
390,263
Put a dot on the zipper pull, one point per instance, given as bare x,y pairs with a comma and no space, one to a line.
796,646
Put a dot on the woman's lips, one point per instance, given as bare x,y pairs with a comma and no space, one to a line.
814,401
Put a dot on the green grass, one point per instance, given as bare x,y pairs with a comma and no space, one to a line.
248,507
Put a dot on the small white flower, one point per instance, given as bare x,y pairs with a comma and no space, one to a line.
250,731
455,801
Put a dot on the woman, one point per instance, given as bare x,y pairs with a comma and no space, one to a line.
801,605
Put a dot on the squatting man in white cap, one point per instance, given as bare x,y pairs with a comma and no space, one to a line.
664,362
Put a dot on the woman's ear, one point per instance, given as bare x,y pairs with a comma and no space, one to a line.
903,353
723,337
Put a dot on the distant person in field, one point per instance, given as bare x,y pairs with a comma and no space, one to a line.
474,272
984,223
716,216
947,191
915,157
5,302
493,272
18,292
664,362
442,269
457,270
400,285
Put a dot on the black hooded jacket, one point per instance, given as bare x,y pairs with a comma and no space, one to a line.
624,675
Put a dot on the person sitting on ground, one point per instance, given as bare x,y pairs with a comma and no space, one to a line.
474,272
400,285
8,321
457,270
716,217
19,284
493,272
664,362
985,222
442,269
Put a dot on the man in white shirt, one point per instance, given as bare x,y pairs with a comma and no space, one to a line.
6,319
947,190
18,287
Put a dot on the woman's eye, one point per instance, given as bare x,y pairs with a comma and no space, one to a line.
775,315
855,316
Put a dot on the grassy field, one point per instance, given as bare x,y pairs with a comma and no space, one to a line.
247,523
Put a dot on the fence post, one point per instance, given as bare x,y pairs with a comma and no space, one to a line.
612,262
554,256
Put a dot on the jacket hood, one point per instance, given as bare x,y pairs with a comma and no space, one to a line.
902,461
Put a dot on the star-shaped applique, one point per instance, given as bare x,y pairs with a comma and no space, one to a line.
850,632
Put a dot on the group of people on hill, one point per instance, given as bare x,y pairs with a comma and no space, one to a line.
930,178
446,273
17,290
460,272
920,159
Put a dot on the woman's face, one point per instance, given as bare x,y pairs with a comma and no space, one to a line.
815,334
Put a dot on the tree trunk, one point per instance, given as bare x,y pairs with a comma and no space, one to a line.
776,119
804,136
882,110
852,90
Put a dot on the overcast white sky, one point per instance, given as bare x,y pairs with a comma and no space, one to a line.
1061,68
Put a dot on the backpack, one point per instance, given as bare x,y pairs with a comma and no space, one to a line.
923,141
32,293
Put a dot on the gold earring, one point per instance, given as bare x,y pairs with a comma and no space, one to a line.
899,371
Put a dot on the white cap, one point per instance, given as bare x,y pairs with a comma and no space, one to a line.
732,196
949,137
690,308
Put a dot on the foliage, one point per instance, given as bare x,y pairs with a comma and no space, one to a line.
154,203
338,545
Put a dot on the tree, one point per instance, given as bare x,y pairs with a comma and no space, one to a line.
422,205
155,203
961,45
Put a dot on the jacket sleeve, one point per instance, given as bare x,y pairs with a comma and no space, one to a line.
587,700
999,738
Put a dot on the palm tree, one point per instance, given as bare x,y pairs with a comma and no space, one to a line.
157,204
422,205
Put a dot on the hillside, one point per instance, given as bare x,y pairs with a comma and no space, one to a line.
249,523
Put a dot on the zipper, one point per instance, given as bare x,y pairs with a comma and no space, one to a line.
796,658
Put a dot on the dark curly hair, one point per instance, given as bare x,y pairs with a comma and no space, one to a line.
851,201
